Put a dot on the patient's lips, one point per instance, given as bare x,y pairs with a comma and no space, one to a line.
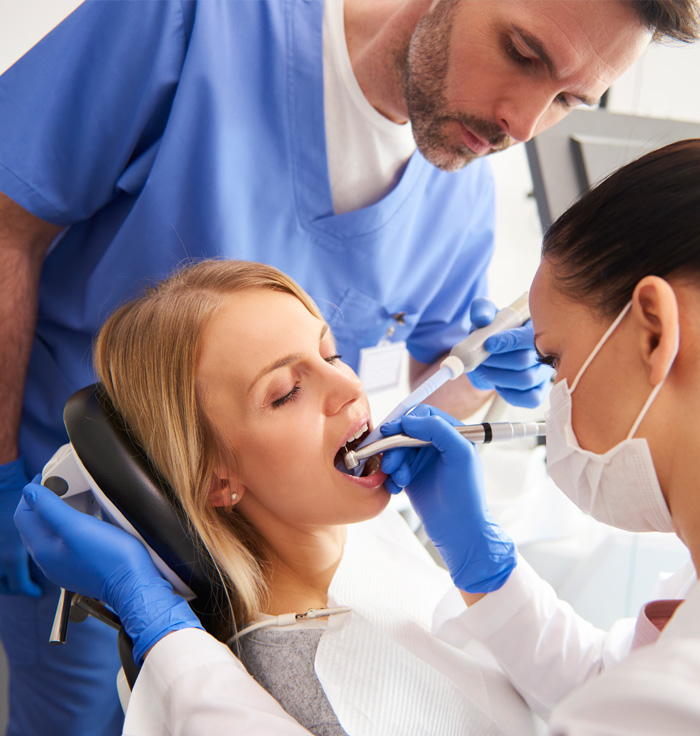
372,476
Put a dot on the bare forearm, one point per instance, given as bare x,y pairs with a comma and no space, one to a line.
458,398
23,243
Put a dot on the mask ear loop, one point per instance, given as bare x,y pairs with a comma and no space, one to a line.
654,391
600,344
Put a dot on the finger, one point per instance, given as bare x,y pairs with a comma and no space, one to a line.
391,428
527,399
514,360
392,487
26,521
434,429
393,459
403,475
434,411
394,426
482,311
518,338
501,378
56,514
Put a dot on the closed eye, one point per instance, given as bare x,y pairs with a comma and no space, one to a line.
516,56
287,397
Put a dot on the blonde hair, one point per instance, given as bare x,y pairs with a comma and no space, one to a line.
146,357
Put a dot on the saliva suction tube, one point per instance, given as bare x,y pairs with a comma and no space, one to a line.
463,358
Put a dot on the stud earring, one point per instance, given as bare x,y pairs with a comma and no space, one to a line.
234,498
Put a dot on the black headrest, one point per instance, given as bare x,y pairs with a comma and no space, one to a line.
122,471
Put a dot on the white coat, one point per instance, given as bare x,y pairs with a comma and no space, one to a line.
381,665
566,669
582,679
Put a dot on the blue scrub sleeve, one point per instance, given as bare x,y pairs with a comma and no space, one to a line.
446,319
89,102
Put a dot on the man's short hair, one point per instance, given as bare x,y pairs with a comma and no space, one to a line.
672,20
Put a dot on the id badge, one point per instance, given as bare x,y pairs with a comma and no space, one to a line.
381,365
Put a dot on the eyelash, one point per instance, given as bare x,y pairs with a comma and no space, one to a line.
525,61
516,56
549,360
293,393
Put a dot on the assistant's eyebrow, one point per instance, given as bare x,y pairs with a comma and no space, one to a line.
282,362
542,54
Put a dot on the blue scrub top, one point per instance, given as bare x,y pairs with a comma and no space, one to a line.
165,131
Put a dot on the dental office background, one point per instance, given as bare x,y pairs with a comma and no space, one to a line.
604,573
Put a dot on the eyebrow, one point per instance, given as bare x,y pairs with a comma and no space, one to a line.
542,54
286,360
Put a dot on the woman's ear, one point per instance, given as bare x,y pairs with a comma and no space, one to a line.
655,308
225,491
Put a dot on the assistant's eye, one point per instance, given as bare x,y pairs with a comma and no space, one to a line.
333,359
287,397
550,360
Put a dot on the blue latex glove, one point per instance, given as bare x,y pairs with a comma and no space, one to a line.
512,368
444,482
14,559
94,558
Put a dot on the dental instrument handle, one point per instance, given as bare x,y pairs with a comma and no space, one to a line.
60,620
447,372
464,357
477,433
471,350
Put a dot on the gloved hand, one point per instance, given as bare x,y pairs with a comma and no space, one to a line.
94,558
444,483
14,558
512,368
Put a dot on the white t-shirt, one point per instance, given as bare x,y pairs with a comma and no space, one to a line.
367,153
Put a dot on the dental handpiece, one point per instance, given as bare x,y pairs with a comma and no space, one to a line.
471,350
477,433
465,356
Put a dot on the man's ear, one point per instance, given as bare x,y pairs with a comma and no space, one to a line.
655,309
225,491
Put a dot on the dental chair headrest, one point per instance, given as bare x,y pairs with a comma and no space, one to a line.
121,469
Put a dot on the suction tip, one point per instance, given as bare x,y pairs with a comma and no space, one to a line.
351,461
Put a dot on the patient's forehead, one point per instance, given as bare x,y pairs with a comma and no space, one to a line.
252,329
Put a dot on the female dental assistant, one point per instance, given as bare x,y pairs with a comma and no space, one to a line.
615,307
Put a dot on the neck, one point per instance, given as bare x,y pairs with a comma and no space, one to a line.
378,33
302,566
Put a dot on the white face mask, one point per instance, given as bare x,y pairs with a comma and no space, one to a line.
620,487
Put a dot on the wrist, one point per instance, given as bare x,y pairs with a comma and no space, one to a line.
148,609
178,616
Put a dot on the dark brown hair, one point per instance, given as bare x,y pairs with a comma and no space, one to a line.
642,220
675,20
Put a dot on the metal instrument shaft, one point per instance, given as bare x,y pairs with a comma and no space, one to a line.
478,433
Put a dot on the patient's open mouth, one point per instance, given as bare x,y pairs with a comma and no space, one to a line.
371,466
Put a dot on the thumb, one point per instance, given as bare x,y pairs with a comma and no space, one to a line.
48,508
482,311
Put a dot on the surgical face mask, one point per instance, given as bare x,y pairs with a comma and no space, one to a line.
619,487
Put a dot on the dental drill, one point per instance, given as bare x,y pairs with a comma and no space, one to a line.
463,358
478,433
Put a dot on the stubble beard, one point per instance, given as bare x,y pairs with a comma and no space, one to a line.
423,67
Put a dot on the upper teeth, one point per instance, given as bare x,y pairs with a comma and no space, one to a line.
359,433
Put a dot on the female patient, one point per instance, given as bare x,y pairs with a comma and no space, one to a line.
228,376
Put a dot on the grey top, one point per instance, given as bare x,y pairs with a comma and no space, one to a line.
283,663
